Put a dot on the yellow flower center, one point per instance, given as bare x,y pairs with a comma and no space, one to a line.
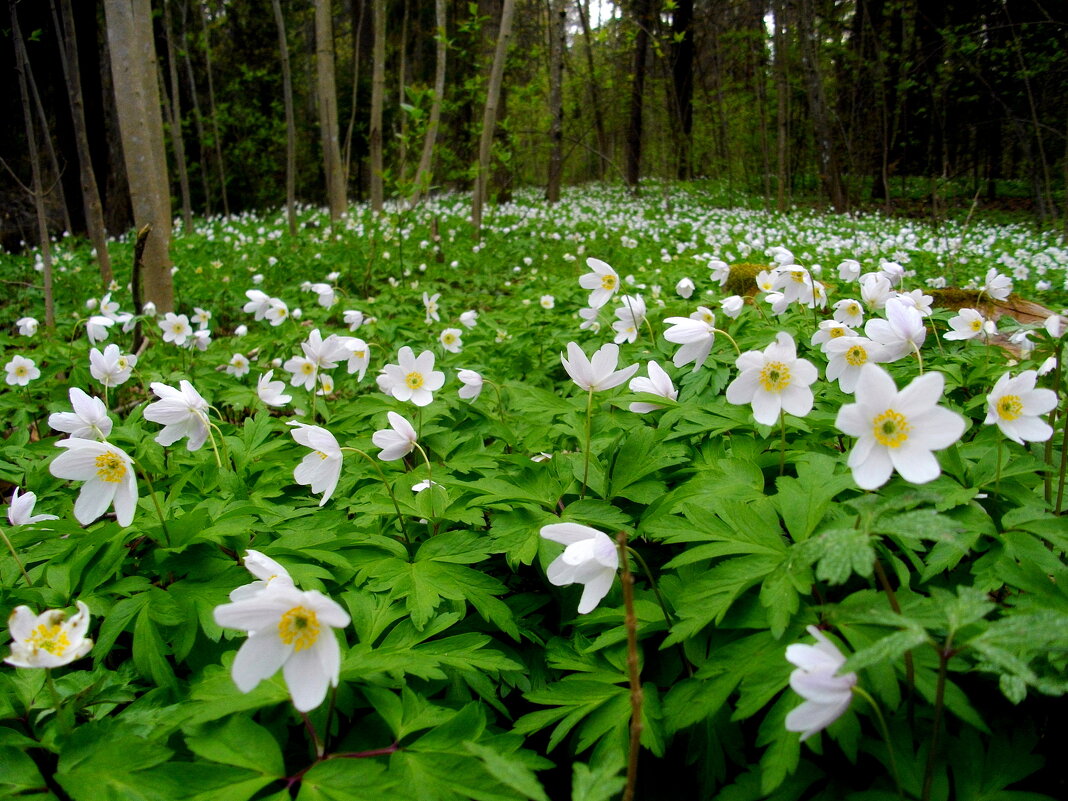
359,354
1009,407
837,332
321,455
853,308
798,276
976,324
449,339
50,638
110,467
299,627
775,377
856,356
177,328
122,362
708,318
414,380
21,371
891,428
307,368
608,282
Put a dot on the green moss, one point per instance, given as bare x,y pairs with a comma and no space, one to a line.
742,279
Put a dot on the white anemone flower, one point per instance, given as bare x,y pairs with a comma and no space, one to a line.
996,285
359,355
396,441
89,420
847,355
590,558
599,372
774,380
430,306
304,372
112,367
277,312
1015,405
469,319
849,270
450,340
175,328
182,412
259,303
353,319
272,392
547,301
50,639
202,317
685,288
291,630
901,333
472,385
696,337
27,326
238,365
732,306
20,510
658,383
414,378
830,330
21,371
321,468
108,475
969,324
96,328
827,695
897,430
602,280
266,571
849,312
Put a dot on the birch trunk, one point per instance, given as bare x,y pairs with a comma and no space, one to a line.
423,173
489,116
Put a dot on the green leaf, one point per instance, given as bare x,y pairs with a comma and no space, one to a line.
346,780
509,770
600,780
240,742
106,762
840,552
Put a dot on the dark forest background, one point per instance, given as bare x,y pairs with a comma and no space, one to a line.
914,105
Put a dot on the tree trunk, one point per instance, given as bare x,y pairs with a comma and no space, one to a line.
378,94
212,110
402,99
826,147
423,173
137,102
682,52
489,115
22,67
357,36
291,125
595,100
174,111
326,91
557,45
643,19
61,195
94,210
198,117
782,109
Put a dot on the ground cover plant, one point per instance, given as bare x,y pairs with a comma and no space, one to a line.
630,491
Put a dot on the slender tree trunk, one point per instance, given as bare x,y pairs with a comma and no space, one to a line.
378,94
357,36
402,98
22,67
423,173
595,100
682,81
94,211
643,19
212,109
326,90
489,115
53,159
782,109
198,117
826,148
291,125
557,45
137,102
174,110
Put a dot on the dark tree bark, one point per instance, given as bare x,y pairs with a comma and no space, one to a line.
94,211
820,113
595,99
557,45
174,114
489,115
213,114
326,94
423,173
291,125
378,94
643,18
682,58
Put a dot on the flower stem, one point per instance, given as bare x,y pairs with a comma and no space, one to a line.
320,749
631,622
730,338
885,731
652,582
936,726
389,489
1064,463
919,356
1052,420
997,470
586,449
910,669
782,442
500,402
429,477
159,509
15,556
